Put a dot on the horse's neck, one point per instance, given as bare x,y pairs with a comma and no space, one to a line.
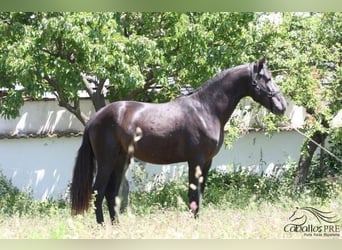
223,95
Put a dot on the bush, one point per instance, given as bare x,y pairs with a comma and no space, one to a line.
238,190
13,201
326,171
171,195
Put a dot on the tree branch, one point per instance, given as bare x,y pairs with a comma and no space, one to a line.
97,96
148,82
101,85
87,84
64,102
49,52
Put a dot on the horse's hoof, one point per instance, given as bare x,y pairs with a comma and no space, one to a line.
193,206
194,209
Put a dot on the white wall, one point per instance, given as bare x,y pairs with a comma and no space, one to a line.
43,118
42,165
45,165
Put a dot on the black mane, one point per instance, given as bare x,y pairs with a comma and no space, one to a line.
218,77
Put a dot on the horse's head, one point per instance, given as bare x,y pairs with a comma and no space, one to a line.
263,90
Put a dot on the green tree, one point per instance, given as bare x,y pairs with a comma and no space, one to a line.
304,49
132,53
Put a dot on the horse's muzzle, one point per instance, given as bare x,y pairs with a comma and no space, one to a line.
279,105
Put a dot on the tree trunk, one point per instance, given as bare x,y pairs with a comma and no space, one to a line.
96,96
308,150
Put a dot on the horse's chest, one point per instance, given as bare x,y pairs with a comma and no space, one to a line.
214,143
207,139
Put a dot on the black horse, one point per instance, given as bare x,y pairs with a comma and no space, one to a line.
186,129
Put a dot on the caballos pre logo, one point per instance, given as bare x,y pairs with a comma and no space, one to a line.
314,222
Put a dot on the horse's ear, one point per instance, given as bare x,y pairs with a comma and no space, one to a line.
261,63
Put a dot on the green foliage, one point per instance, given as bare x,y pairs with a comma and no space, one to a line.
15,202
233,132
134,51
138,51
240,189
327,168
237,190
331,166
171,195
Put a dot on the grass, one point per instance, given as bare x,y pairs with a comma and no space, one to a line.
236,206
256,221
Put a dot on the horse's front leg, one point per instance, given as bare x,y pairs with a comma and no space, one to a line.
197,178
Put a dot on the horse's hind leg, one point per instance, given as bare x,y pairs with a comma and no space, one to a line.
101,183
110,197
105,170
113,187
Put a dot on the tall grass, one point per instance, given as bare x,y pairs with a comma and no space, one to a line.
235,205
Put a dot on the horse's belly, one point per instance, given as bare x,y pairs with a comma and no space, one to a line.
154,158
160,150
157,159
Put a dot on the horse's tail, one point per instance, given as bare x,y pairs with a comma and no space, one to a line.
82,180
